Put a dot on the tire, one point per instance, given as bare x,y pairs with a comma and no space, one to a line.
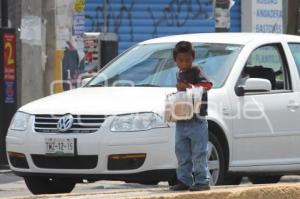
232,180
216,170
173,180
46,185
264,179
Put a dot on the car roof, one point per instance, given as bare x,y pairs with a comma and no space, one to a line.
231,38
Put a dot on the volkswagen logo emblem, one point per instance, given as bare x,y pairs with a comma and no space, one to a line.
65,123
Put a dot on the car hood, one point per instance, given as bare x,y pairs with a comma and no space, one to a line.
101,101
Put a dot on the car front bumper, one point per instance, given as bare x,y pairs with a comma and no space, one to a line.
156,144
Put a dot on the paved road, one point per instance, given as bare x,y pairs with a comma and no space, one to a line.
11,185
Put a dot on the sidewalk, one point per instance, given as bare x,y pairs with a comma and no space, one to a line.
275,191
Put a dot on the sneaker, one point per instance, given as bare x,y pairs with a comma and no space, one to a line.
199,187
180,186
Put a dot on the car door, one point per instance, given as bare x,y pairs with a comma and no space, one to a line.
267,123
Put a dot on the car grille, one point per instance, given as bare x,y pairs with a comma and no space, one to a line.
76,162
81,123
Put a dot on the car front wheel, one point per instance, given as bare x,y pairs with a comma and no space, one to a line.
46,185
216,161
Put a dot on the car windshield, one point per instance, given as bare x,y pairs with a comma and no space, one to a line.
153,65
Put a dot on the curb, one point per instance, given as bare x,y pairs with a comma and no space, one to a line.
278,191
5,171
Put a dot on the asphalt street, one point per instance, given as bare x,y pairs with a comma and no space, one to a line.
12,186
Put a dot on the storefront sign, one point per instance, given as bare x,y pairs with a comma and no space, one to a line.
78,24
267,16
79,5
262,16
9,46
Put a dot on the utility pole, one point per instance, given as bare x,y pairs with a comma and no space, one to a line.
105,25
293,17
4,13
32,86
49,11
8,77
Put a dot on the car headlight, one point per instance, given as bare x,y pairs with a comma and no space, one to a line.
19,121
137,122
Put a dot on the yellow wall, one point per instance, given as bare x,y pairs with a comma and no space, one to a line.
59,55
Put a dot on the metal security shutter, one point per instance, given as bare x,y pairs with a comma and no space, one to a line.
135,21
235,14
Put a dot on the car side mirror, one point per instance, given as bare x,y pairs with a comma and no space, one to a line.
254,85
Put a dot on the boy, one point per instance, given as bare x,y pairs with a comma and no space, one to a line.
191,135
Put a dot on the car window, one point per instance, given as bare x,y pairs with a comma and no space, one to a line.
268,62
295,48
153,65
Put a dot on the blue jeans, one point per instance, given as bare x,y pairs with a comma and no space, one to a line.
191,146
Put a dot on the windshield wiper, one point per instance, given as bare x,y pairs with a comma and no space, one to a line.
95,85
146,85
137,85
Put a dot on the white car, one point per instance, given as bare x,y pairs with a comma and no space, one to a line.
113,127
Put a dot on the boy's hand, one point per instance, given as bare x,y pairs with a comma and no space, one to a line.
181,86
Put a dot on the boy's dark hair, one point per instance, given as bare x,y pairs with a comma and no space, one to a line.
183,47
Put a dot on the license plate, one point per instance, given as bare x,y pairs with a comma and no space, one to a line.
60,146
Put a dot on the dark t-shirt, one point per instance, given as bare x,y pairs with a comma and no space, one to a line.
194,76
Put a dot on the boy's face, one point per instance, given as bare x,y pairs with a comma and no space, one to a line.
184,61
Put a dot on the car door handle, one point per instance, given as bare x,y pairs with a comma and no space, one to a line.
226,111
293,105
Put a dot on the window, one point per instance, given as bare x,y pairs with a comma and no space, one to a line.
268,62
295,48
153,65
